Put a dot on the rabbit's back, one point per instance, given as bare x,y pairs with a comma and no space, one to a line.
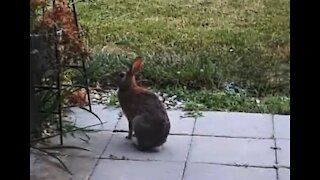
150,120
143,102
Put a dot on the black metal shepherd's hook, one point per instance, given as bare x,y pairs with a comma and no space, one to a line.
58,78
59,72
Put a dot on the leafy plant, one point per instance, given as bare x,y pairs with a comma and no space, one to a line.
56,24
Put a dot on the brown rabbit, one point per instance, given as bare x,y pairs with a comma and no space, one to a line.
147,117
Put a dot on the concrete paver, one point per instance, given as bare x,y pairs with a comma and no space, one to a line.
284,174
47,168
220,172
175,149
96,144
137,170
235,124
108,116
281,126
283,152
220,146
254,152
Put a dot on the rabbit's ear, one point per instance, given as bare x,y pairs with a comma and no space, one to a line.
136,65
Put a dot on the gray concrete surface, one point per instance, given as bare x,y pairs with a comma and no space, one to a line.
219,145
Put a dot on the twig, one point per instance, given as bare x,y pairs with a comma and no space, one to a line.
64,147
48,137
91,113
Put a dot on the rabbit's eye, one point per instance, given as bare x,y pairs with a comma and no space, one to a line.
122,74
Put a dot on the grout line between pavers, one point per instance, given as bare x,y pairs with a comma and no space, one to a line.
202,135
222,164
275,146
238,165
104,149
287,139
283,167
185,164
223,136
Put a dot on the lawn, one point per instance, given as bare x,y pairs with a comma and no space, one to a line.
198,45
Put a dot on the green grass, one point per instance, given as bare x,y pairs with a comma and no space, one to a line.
203,100
200,44
184,25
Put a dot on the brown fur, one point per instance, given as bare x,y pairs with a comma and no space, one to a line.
146,115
